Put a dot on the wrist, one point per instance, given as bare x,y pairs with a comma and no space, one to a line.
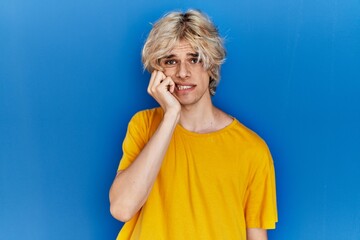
172,115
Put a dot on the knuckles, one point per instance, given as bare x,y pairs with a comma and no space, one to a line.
157,76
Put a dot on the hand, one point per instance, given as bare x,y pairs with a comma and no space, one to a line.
161,88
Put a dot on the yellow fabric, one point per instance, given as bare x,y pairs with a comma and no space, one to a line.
210,186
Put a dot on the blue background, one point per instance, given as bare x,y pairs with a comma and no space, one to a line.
71,78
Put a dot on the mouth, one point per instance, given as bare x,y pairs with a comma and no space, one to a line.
180,87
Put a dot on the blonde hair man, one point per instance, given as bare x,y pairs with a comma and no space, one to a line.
189,170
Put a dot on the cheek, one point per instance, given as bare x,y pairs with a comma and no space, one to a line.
169,72
206,78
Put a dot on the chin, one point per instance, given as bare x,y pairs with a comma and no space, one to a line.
188,102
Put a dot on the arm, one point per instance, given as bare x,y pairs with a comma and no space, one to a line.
256,234
132,186
260,200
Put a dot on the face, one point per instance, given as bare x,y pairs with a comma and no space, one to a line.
186,70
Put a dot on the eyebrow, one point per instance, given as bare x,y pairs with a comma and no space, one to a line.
193,54
188,54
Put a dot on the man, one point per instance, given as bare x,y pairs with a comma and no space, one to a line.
189,170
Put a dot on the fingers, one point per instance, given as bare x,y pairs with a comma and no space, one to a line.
155,79
160,83
161,88
166,84
169,84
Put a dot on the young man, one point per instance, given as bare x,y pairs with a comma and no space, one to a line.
189,170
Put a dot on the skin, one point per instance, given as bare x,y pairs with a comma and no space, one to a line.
182,90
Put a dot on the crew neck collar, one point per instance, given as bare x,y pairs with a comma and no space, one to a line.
222,130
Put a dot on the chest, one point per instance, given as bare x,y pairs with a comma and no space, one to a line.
206,165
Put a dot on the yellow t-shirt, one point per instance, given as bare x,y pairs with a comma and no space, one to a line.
210,186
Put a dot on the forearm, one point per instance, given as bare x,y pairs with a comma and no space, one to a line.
132,186
256,234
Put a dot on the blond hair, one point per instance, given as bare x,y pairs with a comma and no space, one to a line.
194,27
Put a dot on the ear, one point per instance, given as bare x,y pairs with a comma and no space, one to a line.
212,86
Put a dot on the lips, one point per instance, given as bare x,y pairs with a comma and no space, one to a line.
181,87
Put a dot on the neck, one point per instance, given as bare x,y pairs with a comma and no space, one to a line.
199,118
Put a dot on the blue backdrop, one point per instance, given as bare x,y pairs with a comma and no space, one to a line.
71,78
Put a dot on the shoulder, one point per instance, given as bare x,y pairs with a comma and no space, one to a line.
239,131
252,148
147,120
254,144
247,134
148,115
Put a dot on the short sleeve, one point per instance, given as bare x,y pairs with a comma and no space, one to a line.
260,198
135,139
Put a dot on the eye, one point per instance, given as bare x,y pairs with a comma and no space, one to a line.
170,62
195,60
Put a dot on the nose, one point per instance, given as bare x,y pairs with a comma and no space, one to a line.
182,70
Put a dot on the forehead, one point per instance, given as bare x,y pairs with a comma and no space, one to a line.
182,47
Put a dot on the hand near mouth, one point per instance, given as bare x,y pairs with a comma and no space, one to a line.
161,88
